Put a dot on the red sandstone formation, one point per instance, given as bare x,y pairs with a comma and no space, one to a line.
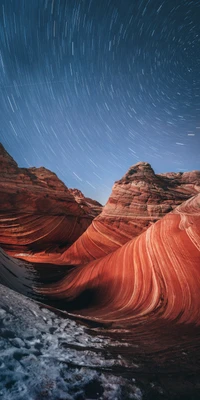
138,270
139,199
38,212
90,206
154,276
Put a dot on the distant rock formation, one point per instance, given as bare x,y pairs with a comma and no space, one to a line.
90,206
154,276
139,199
38,213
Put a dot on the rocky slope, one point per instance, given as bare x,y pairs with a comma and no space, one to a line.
154,276
38,213
45,356
46,353
139,199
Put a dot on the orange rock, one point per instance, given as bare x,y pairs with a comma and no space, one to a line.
90,206
139,199
38,213
154,276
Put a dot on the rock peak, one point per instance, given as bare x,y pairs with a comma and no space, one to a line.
140,169
143,164
6,159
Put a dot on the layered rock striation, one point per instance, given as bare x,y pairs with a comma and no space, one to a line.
38,213
138,261
154,276
137,200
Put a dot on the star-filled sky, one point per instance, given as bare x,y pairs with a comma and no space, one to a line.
90,87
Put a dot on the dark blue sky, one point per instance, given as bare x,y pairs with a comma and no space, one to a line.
90,87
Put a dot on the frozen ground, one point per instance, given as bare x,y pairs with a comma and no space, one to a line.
43,356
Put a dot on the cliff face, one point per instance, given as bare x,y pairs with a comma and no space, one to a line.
139,199
37,211
154,276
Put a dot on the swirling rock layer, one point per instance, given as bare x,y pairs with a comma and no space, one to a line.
139,199
131,267
154,276
38,213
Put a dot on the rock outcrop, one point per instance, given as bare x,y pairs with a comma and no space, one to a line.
38,213
154,276
139,199
90,206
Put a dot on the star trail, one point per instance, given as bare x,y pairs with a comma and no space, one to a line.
90,87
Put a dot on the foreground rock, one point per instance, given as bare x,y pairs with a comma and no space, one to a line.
45,356
138,200
154,276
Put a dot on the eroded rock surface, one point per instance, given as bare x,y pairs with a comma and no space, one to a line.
138,200
154,276
38,213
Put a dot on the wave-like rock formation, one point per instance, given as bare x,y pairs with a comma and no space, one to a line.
139,199
154,276
38,213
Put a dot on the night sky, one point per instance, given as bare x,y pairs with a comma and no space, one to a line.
90,87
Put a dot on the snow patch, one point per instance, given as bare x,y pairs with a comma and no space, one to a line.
46,356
